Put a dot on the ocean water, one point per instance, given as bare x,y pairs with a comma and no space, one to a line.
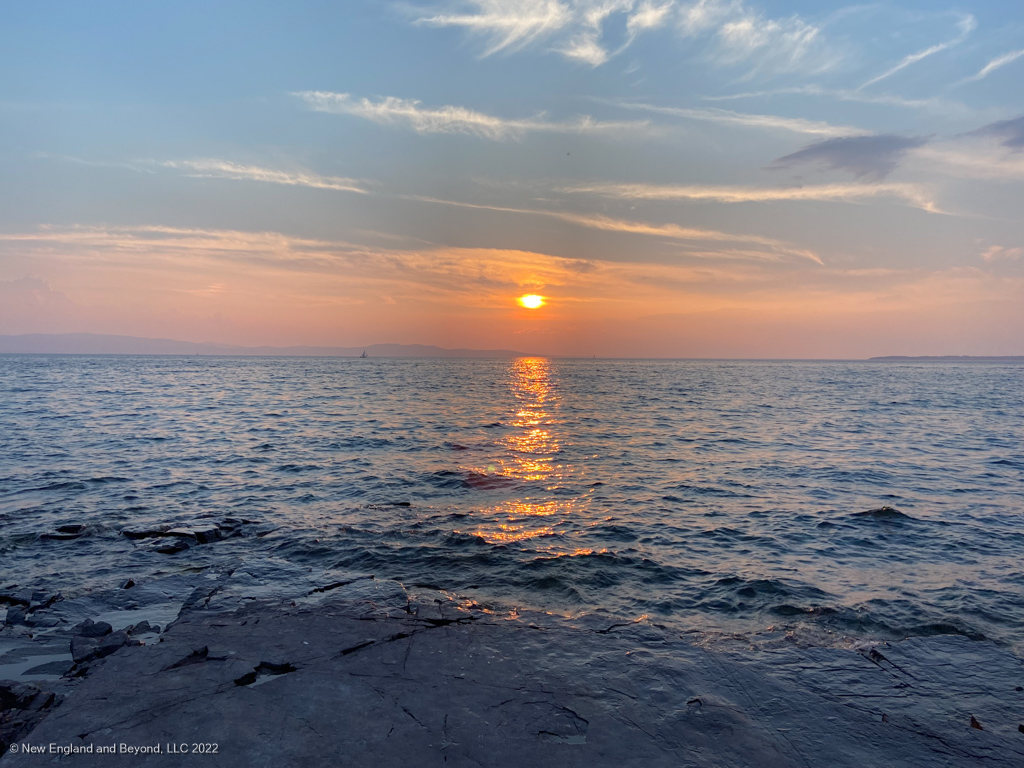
729,496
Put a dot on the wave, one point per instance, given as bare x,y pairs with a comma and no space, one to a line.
886,514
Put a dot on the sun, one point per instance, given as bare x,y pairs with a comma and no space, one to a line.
531,301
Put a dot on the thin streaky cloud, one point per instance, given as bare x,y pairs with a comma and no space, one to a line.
933,104
479,275
910,193
608,224
511,25
996,63
967,25
728,117
676,232
144,237
576,29
225,169
409,113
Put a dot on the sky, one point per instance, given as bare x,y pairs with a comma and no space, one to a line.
677,178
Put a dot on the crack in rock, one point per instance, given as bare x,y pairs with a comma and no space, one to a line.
265,671
198,656
336,585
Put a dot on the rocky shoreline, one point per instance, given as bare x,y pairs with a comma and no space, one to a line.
358,671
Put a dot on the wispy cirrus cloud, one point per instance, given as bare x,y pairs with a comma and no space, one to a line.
772,45
728,117
204,263
214,168
967,24
741,35
225,169
410,113
770,248
931,104
997,63
909,193
585,44
508,25
110,240
576,29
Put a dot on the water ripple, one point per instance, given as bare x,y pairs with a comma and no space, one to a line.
870,499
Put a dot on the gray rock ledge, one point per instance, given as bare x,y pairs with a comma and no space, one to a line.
352,682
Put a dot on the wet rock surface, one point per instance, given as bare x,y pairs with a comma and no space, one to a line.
22,707
169,539
48,639
23,604
362,673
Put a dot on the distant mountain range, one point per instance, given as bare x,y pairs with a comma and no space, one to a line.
953,358
100,344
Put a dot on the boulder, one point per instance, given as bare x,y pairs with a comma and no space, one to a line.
111,643
90,628
82,648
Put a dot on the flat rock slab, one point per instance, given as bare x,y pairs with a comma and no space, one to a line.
350,682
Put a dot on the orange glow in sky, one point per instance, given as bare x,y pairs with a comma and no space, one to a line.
885,226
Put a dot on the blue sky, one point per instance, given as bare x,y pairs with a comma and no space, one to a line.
710,178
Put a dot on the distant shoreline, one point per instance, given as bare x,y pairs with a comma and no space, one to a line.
104,344
948,359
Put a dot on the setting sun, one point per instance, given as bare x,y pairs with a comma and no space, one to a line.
531,301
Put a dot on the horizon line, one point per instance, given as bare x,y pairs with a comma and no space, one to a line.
216,349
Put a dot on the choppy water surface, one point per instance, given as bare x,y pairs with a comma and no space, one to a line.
724,495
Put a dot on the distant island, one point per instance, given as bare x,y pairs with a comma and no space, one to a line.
952,358
101,344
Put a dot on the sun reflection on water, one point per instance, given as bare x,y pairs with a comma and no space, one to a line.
530,454
532,451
